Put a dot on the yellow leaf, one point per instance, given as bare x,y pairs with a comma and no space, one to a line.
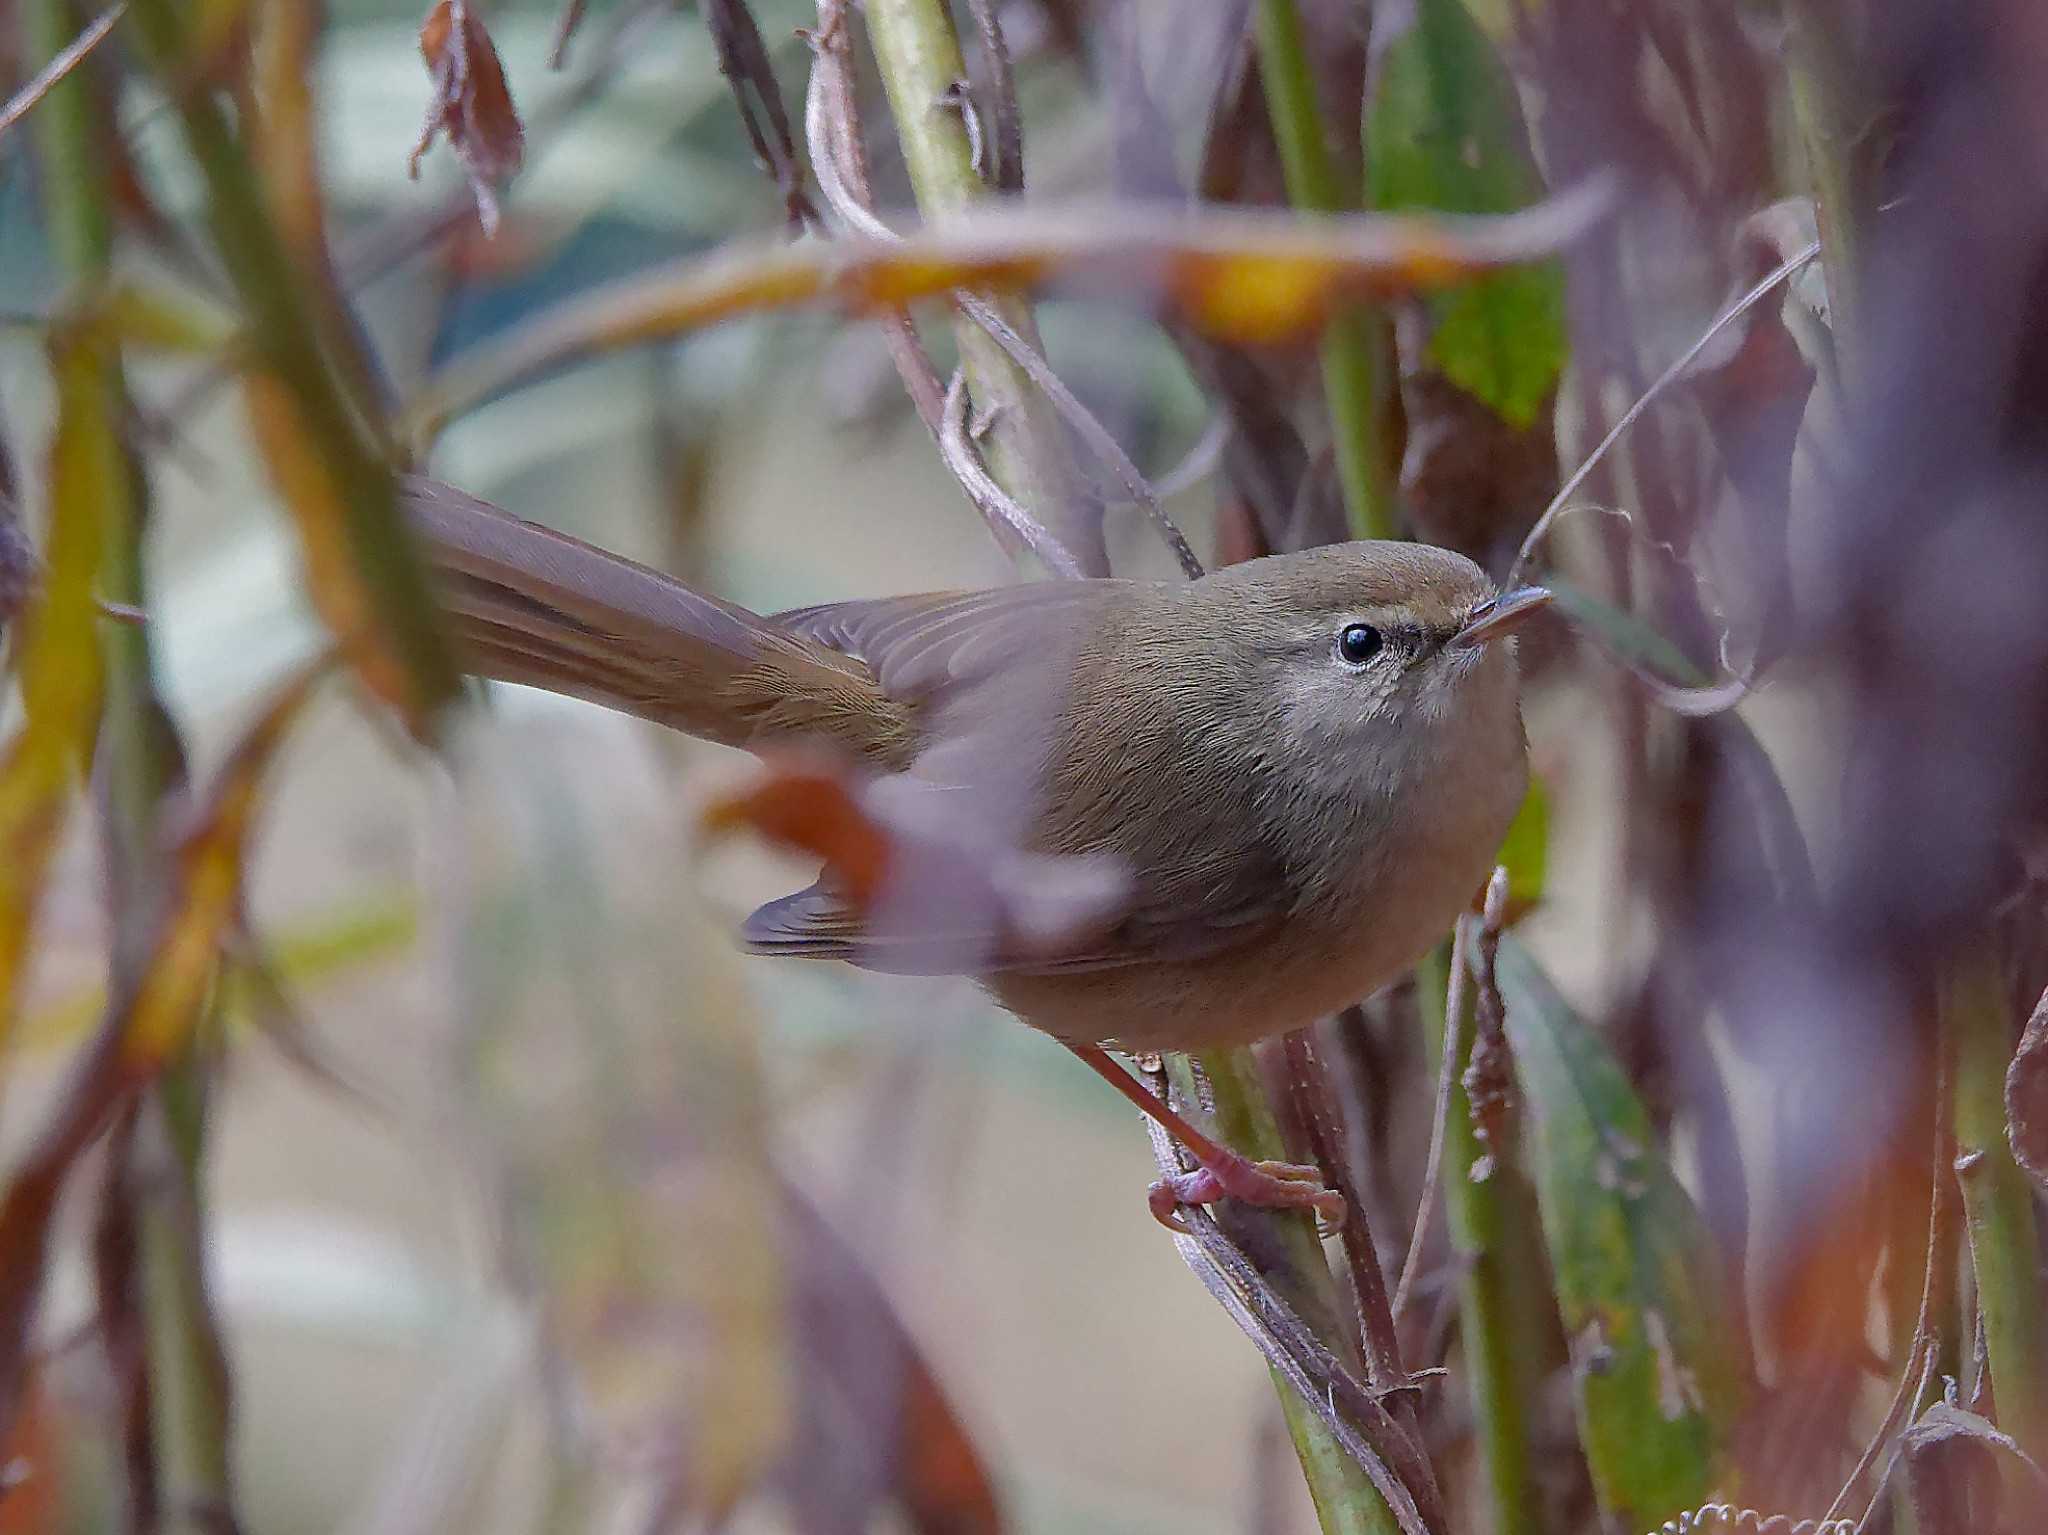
332,575
151,318
285,150
60,654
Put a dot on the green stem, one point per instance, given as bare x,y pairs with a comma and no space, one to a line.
1345,1500
1494,1232
1998,1206
1826,112
1351,345
922,70
138,763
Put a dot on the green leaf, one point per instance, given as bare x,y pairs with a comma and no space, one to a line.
1638,1282
1630,638
1445,132
1526,850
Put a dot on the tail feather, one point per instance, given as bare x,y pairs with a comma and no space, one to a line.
533,606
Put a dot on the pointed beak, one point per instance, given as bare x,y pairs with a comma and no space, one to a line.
1497,615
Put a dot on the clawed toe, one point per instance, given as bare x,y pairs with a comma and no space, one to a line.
1269,1185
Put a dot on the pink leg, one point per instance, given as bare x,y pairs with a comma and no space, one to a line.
1271,1185
1224,1173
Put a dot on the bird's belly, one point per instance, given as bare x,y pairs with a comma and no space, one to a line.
1304,972
1315,965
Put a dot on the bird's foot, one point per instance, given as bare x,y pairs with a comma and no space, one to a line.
1269,1185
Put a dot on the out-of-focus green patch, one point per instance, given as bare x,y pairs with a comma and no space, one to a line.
1525,853
1446,133
325,948
1637,1280
1625,634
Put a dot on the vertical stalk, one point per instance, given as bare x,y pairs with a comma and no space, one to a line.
1831,121
1351,345
922,70
1494,1235
1998,1206
1345,1500
137,766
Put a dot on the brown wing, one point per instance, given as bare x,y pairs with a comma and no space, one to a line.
991,672
922,647
816,924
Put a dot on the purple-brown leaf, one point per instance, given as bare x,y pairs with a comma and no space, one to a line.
472,104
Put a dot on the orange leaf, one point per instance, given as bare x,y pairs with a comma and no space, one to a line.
286,150
946,1488
812,810
1242,274
333,575
206,884
471,104
30,1475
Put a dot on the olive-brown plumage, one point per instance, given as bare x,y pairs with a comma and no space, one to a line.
1304,764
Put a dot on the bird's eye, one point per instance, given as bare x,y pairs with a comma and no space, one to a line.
1358,644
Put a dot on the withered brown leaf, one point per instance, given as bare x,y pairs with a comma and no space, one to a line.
472,104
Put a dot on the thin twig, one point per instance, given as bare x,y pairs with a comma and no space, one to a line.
832,132
1200,461
1924,1340
1007,172
565,28
1454,1032
1318,1377
995,503
59,66
1695,702
743,60
1098,437
839,162
1379,1344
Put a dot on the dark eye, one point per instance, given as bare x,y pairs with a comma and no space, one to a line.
1358,644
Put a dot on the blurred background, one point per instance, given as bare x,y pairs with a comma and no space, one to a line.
517,1199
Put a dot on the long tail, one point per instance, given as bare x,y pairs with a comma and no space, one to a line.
533,606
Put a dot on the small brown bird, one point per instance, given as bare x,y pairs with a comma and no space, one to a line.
1303,765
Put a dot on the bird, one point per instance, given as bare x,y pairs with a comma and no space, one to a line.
1302,766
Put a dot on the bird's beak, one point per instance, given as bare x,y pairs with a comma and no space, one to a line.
1497,615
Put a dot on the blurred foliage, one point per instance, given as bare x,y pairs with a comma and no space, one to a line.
1446,132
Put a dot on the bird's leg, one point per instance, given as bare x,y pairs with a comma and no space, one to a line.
1222,1173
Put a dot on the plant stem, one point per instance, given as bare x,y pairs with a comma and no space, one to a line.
1827,114
1352,343
922,70
1345,1500
1998,1208
138,767
1495,1236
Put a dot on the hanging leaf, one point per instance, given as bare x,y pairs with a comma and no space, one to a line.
1637,1282
1446,133
472,104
